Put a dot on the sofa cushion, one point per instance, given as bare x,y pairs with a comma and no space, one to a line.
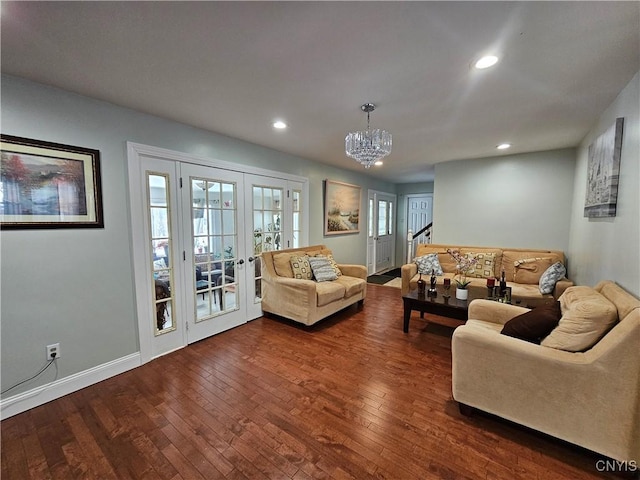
352,285
534,325
529,270
551,276
586,316
322,269
300,267
428,263
485,266
282,264
327,292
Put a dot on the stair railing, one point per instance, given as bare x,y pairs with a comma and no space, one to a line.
412,240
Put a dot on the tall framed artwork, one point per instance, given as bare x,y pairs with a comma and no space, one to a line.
341,208
603,173
48,185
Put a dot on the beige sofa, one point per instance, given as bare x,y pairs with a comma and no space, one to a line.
505,258
590,398
308,301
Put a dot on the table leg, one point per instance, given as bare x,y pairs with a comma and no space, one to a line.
407,316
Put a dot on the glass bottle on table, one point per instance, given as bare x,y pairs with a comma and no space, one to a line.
503,285
421,286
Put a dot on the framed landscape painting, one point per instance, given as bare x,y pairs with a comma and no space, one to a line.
341,208
48,185
603,173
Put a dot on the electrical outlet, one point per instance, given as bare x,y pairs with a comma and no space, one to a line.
53,351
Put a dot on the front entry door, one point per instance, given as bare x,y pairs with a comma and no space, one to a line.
214,254
381,231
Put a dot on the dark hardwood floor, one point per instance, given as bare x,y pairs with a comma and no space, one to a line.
351,397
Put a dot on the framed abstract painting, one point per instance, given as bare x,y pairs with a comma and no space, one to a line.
48,185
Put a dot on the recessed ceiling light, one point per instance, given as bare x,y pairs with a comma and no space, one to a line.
279,124
486,62
379,163
503,146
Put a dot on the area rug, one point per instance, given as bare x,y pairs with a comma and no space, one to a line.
384,278
379,279
396,283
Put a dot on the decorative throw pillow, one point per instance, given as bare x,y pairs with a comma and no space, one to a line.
429,263
301,268
535,324
529,270
484,267
586,316
550,277
332,261
322,269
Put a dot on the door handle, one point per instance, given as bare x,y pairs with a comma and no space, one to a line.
251,259
241,261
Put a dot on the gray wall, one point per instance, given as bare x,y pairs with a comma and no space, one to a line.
508,201
75,286
609,248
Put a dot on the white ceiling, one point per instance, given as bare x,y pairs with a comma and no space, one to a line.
234,67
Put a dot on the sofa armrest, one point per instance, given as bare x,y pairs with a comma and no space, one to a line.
494,312
357,271
561,286
407,272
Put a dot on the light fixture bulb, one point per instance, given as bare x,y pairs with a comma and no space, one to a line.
279,124
486,62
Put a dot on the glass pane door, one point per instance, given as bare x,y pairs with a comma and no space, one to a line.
215,255
271,212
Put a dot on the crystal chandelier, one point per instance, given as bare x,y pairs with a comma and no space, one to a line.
370,146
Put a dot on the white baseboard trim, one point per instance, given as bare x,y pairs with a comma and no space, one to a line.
59,388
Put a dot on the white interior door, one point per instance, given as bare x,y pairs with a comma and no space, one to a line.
419,215
275,207
214,249
381,231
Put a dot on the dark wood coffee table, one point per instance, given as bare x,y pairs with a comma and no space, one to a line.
451,307
437,305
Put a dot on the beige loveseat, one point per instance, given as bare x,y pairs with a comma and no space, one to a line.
523,279
308,301
590,398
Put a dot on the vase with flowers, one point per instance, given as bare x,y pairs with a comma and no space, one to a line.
463,265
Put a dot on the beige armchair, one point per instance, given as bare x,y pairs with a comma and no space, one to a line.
589,398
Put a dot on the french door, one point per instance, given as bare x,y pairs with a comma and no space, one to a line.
198,234
275,223
381,236
213,240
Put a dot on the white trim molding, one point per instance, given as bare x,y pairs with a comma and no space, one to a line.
45,393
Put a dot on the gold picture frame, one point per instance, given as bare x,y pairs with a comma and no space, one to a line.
342,203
